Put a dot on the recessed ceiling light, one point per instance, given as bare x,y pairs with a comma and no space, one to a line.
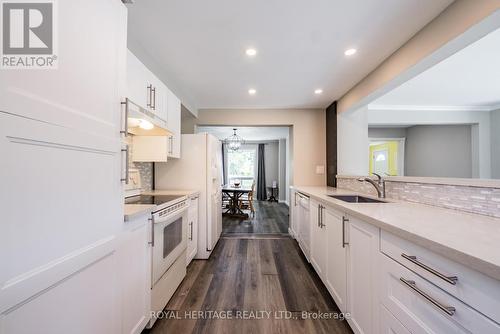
251,52
318,91
252,91
350,52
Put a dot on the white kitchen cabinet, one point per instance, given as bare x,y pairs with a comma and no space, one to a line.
150,148
294,211
389,324
145,89
318,239
61,147
336,257
192,230
135,274
362,289
304,219
174,125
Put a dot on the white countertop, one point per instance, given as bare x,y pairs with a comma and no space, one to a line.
133,210
470,239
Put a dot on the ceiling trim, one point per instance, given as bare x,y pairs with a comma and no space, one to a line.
431,108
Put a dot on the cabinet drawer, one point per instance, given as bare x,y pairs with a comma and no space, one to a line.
422,307
473,288
389,324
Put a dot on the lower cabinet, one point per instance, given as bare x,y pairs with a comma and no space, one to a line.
192,230
389,324
318,239
135,274
362,263
336,257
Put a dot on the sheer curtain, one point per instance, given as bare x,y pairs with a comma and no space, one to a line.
261,174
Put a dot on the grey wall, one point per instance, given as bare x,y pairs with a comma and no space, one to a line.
439,150
495,144
271,159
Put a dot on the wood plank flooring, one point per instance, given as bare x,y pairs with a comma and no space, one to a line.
251,274
270,218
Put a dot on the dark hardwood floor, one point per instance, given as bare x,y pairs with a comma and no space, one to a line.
270,218
251,274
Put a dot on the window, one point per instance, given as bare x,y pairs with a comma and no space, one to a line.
241,166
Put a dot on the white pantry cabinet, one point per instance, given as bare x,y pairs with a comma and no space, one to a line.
174,125
62,199
192,239
135,273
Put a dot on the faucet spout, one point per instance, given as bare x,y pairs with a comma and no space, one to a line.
378,185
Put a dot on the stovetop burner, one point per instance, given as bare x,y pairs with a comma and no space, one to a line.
150,199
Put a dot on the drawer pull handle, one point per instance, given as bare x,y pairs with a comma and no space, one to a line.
412,285
449,279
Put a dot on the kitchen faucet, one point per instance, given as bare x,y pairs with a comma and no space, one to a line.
379,185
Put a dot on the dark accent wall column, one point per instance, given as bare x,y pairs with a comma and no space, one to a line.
331,145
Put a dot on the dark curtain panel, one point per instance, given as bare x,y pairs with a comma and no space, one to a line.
224,176
261,174
331,145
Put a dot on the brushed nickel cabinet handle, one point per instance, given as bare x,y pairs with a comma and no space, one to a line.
191,233
149,101
126,179
125,125
153,103
344,220
413,259
412,285
319,216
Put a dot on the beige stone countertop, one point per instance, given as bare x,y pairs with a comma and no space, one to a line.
470,239
133,210
172,192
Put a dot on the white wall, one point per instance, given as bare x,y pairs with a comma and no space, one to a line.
283,180
352,142
495,144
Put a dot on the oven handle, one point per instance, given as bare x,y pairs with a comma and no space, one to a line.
152,242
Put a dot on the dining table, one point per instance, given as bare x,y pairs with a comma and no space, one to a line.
234,194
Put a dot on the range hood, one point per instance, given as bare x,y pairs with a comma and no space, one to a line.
150,139
142,122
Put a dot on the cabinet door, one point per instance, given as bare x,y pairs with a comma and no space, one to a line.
174,124
137,81
135,263
318,239
192,232
160,101
363,251
61,195
336,262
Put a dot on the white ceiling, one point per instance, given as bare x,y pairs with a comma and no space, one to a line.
469,78
300,45
247,133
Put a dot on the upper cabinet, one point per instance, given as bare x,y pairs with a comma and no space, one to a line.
150,93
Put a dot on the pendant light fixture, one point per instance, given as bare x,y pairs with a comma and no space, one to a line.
234,142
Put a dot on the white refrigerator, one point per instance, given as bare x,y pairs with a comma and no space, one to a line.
199,168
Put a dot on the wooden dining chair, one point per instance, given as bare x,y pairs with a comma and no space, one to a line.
246,201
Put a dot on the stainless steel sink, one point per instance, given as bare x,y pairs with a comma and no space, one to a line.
356,199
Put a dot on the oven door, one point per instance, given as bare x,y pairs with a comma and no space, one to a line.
170,240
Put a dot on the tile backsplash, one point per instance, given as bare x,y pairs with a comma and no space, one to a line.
479,200
145,168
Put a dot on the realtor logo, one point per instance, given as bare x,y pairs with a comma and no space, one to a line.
28,34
